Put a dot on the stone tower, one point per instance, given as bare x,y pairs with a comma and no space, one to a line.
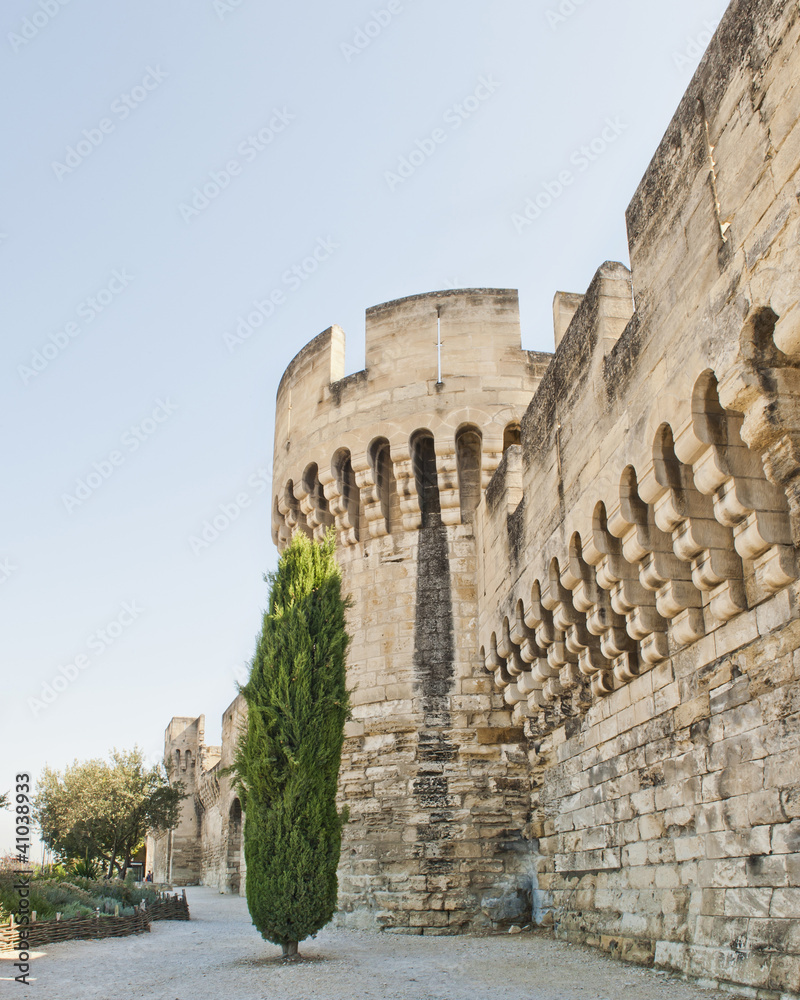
396,457
178,861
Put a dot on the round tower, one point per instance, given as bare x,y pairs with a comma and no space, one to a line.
397,458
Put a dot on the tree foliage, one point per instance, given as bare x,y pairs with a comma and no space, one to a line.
287,760
4,800
101,810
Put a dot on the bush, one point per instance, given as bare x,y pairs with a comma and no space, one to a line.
129,895
79,897
76,910
84,869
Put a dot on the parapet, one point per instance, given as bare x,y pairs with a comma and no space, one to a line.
442,334
179,724
565,305
183,745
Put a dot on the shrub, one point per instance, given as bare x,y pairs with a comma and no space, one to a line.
287,762
78,897
84,868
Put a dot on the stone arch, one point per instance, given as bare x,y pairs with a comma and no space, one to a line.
233,875
725,469
379,454
666,462
314,502
634,509
469,444
708,415
349,493
512,434
289,507
423,456
757,339
496,664
672,411
280,529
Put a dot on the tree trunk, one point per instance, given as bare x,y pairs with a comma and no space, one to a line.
290,949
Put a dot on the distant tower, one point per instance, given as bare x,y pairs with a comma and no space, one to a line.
397,457
178,853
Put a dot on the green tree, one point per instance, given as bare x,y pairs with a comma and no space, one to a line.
101,810
287,759
4,800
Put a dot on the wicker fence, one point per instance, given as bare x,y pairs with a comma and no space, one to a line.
41,932
168,907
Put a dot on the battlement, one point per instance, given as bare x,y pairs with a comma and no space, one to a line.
438,366
185,727
403,338
184,742
442,335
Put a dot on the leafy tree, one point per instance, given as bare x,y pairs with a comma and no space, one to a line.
287,760
101,810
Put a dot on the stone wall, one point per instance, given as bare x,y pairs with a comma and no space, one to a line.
222,864
637,551
206,846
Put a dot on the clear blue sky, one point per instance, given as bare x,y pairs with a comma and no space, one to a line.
128,416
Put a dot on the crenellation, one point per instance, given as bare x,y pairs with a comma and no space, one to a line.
575,662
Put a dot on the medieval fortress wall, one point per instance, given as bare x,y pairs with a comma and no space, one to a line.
637,552
576,640
206,845
396,457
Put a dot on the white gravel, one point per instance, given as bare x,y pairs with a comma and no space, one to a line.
219,955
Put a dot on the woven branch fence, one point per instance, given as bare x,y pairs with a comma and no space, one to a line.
40,932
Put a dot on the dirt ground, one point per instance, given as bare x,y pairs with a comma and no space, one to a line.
218,955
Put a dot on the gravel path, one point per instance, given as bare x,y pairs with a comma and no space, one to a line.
218,955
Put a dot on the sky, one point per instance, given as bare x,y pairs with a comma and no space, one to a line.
193,190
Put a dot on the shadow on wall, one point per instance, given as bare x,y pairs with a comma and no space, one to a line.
233,879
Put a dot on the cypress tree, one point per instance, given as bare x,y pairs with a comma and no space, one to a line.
287,760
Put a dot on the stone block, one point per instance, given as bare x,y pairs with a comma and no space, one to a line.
692,711
722,873
670,955
428,918
689,848
784,974
729,696
634,854
765,935
765,807
786,838
747,902
790,802
738,843
651,827
767,870
786,903
741,779
661,852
